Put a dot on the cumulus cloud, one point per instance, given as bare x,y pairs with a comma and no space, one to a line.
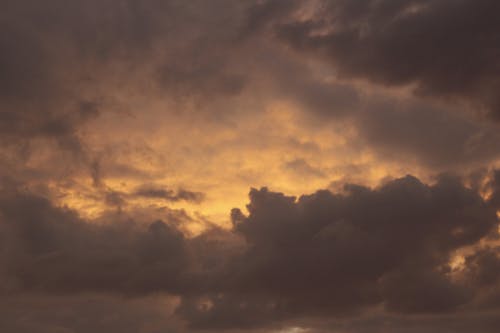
319,255
49,249
86,225
333,254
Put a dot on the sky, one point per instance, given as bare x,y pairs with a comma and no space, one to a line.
260,166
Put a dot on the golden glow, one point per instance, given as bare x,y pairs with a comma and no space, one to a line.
457,262
274,147
269,144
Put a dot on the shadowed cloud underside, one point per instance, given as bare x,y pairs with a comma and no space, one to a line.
249,166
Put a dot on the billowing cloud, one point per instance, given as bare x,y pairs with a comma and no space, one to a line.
131,130
445,48
332,254
52,250
320,255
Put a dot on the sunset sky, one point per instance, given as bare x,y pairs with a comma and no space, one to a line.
252,166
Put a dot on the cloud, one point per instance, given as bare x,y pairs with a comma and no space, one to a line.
494,187
169,195
319,255
78,58
328,254
434,137
83,313
49,249
447,49
73,69
110,110
302,168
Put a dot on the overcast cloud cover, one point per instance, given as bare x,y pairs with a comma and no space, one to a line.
250,166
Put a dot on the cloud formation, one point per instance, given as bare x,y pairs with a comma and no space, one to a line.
130,132
317,256
446,49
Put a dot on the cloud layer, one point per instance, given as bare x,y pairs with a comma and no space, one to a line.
367,131
317,256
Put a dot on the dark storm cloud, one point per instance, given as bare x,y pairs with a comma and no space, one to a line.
75,55
60,60
484,267
49,249
447,48
436,138
328,254
35,99
454,323
320,255
88,313
304,260
397,128
63,64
